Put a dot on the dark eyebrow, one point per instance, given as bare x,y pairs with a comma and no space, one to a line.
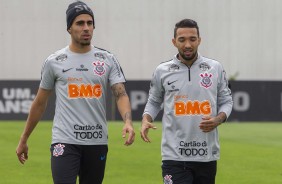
82,21
182,37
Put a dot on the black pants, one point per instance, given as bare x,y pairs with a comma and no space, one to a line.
177,172
86,161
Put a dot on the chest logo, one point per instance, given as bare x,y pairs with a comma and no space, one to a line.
190,108
206,81
65,70
99,68
84,90
169,83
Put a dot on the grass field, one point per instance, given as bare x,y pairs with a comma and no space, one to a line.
251,153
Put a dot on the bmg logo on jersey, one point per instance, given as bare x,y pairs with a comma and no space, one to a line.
84,91
192,108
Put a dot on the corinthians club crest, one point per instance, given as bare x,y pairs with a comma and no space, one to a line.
167,179
206,81
58,150
99,68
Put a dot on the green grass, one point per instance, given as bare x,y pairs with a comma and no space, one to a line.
251,153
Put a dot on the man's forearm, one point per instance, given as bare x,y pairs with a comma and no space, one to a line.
147,117
35,114
221,117
124,108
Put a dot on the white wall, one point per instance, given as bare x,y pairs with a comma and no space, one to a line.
244,35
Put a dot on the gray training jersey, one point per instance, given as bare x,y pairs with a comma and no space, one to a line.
80,82
187,95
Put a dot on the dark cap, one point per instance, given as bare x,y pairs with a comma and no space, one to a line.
75,9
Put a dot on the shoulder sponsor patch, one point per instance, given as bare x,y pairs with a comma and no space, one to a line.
62,57
204,66
99,55
173,68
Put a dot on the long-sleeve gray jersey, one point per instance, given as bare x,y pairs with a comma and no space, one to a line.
80,82
187,95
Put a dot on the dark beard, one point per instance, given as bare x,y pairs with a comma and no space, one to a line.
188,58
85,44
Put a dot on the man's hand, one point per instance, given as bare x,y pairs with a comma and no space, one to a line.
128,128
209,123
146,125
22,152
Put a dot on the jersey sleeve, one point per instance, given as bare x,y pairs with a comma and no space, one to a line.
116,74
47,76
224,98
156,95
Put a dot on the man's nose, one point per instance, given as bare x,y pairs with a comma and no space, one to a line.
187,44
86,27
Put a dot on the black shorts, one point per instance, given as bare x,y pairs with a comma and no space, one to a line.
178,172
86,161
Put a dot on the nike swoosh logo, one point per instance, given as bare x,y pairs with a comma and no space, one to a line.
103,157
66,70
169,83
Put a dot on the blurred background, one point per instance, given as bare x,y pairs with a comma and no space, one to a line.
245,36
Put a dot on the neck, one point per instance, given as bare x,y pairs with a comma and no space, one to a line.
80,49
187,62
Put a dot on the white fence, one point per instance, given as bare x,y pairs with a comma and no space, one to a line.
244,35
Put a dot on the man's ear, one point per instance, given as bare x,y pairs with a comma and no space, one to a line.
200,39
69,30
173,41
